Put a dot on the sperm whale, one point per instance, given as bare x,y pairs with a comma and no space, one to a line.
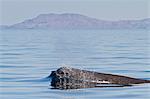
72,78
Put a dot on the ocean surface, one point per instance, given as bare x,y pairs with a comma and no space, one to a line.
28,56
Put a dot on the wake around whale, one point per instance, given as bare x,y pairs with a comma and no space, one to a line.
72,78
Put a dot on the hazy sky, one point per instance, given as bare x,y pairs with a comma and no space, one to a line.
14,11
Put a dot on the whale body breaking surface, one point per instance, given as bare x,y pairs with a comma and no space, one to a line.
72,78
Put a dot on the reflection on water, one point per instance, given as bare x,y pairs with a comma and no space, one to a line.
28,56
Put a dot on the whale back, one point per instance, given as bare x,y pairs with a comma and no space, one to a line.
71,78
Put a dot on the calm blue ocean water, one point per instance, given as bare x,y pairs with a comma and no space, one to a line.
27,57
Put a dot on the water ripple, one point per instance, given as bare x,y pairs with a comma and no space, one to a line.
120,57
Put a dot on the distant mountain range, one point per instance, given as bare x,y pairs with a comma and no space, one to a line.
77,21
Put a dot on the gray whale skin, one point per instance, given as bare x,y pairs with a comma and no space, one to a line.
72,78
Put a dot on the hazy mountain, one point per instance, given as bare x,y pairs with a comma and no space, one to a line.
3,26
71,21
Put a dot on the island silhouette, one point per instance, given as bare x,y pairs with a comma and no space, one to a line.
78,21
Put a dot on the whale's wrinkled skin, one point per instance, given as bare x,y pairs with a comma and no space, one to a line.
71,78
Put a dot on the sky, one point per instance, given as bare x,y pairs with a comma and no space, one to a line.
14,11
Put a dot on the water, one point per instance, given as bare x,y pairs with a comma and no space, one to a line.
27,57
